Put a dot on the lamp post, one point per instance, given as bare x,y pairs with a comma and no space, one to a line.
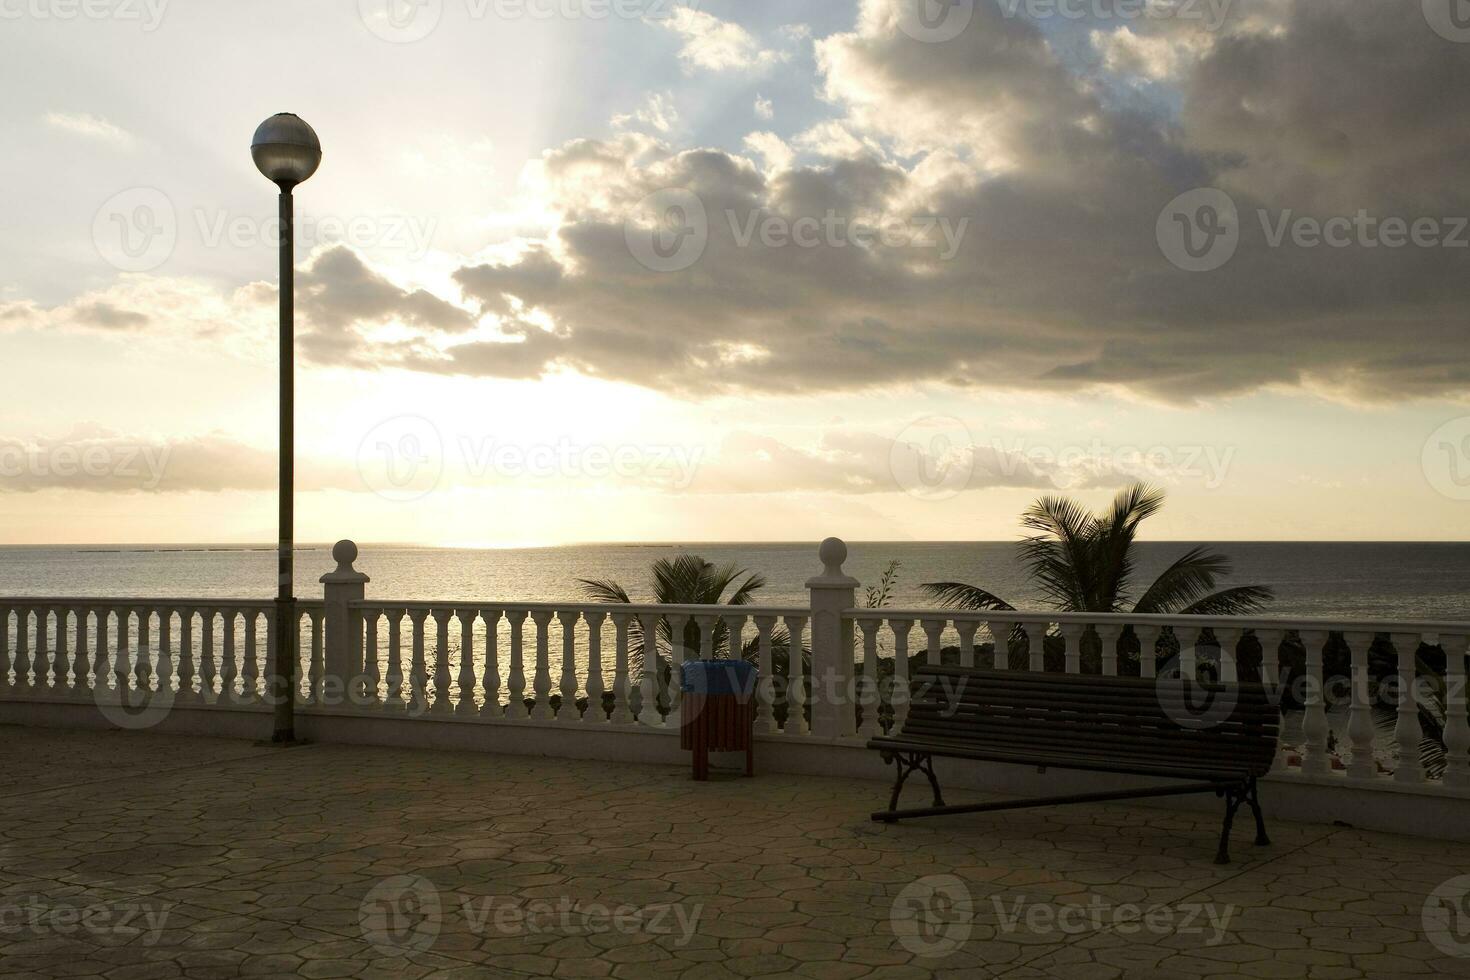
287,151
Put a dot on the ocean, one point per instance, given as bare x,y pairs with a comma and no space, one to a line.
1401,581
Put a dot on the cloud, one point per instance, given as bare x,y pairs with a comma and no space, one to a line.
1059,282
657,113
1024,195
91,127
716,45
772,148
764,107
95,460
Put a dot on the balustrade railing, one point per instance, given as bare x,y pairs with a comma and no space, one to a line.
195,651
1377,704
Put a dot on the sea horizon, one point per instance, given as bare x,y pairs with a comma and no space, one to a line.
1352,580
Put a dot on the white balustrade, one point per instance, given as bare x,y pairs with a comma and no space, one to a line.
212,653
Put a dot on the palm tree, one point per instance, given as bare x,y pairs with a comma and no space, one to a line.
1084,562
686,580
690,580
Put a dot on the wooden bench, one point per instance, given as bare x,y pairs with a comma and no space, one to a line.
1220,738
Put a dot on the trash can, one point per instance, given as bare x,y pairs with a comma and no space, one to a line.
718,711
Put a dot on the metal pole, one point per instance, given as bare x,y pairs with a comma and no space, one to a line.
283,678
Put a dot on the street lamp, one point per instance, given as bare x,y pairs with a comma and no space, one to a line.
287,151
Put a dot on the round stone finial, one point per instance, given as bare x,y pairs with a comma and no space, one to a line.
832,554
344,553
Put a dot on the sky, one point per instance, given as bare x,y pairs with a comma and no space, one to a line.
607,270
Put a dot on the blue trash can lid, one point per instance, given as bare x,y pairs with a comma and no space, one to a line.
718,677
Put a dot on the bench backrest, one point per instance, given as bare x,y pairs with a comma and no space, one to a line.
1168,720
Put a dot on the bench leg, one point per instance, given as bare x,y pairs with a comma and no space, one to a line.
1254,799
906,763
1234,796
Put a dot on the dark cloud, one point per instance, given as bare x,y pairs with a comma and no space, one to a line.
1052,192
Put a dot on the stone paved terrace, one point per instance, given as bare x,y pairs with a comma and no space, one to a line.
212,858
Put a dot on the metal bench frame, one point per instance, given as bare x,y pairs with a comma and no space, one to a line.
912,753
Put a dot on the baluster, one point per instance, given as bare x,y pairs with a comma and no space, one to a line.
418,670
490,677
1107,636
40,657
441,704
165,649
80,679
22,650
1408,733
1229,640
466,706
101,662
1148,650
765,713
867,691
707,629
796,683
187,672
678,653
4,646
1072,637
596,713
1315,760
1000,632
966,629
122,669
516,709
143,663
648,681
1360,721
1457,725
735,635
272,630
902,692
1189,655
208,671
567,714
60,657
317,671
228,669
394,701
541,684
1036,646
624,711
1270,641
934,631
366,625
250,660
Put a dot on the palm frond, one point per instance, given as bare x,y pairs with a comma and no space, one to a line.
1191,577
604,590
956,595
1238,601
1113,544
